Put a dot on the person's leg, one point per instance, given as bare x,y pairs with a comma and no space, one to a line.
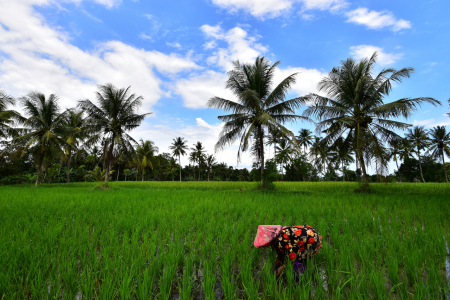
299,269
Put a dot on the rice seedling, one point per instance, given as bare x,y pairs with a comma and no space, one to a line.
194,240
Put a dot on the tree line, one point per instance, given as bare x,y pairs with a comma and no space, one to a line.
350,113
353,125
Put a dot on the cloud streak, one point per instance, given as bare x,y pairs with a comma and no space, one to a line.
376,19
53,65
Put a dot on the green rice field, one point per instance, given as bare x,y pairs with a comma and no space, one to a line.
194,240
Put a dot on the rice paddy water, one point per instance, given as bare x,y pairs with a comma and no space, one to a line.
194,240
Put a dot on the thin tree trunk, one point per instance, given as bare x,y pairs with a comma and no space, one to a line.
179,161
445,169
142,175
41,160
363,167
198,179
420,164
343,172
68,166
109,160
118,172
261,137
275,156
105,161
208,174
399,173
60,166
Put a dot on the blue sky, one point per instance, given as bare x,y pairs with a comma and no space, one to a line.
176,53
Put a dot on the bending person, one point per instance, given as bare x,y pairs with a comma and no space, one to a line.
296,243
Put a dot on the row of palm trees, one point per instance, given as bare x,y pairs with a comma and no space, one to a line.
327,158
52,132
352,115
356,122
434,142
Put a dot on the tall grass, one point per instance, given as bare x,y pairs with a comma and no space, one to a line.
164,240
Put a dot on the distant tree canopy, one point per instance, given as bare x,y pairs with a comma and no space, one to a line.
355,129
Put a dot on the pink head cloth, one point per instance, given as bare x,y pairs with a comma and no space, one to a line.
266,234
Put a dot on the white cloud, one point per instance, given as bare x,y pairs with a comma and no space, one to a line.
364,51
423,122
106,3
145,36
331,5
240,46
377,20
306,79
91,16
258,8
210,45
202,123
175,45
38,57
274,8
307,17
203,132
199,88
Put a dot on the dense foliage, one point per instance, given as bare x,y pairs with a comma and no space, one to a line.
93,142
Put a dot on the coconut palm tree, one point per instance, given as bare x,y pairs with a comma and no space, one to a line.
343,154
210,162
112,119
354,106
258,109
8,118
419,139
273,138
321,154
394,153
440,145
285,150
44,126
448,114
78,132
305,138
179,147
406,149
197,155
146,151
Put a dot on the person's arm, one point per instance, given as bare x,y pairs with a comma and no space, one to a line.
279,263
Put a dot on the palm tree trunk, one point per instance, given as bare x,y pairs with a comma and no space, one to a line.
343,172
105,161
420,164
198,179
208,173
142,175
179,161
445,169
363,167
68,166
261,137
108,160
41,160
399,173
118,172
